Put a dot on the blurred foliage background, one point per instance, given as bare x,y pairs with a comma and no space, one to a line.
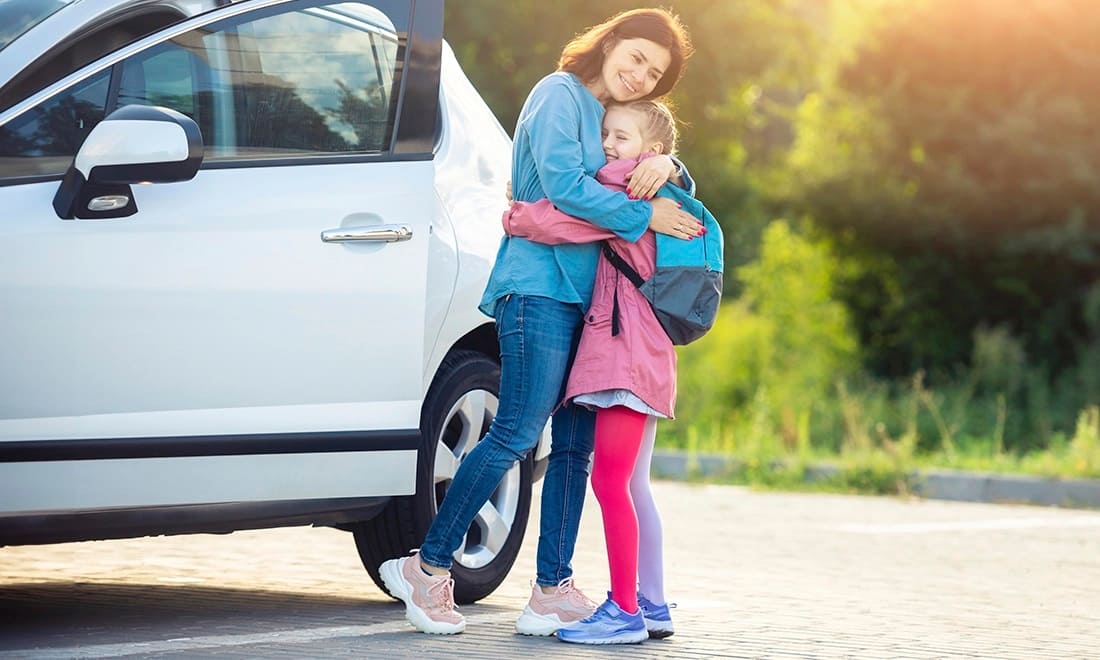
910,192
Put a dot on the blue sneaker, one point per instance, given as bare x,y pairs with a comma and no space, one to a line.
607,625
658,620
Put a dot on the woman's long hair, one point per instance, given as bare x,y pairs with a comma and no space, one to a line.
584,55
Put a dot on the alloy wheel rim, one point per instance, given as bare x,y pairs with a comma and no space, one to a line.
465,424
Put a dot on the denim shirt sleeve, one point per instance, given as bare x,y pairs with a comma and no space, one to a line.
553,130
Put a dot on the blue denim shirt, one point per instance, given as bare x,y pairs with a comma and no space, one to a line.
556,151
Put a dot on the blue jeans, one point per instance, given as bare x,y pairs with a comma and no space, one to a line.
538,338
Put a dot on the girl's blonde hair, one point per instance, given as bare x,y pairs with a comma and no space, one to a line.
659,124
584,55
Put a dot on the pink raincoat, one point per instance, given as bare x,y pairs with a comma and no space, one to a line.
641,358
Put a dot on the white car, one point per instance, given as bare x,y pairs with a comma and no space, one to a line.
241,250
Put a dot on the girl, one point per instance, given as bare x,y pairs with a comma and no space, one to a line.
537,293
625,369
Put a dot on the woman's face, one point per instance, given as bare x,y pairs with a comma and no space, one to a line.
631,69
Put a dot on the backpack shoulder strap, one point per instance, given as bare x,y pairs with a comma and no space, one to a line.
626,269
620,265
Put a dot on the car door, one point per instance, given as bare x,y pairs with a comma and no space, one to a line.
280,291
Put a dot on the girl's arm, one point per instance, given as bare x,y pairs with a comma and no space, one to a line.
541,222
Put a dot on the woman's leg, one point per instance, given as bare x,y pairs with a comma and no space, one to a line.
563,491
619,433
651,578
536,338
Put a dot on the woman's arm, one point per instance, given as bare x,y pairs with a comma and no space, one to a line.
685,182
553,131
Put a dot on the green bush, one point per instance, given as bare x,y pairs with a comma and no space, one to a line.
774,354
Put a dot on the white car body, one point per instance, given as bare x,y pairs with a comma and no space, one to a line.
236,351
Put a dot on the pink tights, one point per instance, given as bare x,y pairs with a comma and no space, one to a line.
632,527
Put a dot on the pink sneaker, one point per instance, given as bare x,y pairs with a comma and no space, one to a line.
545,614
429,600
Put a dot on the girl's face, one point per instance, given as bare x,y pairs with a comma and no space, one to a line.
622,134
631,69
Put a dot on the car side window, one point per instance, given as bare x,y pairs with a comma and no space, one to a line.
45,139
317,81
302,79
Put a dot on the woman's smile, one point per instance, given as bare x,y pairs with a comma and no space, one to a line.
626,84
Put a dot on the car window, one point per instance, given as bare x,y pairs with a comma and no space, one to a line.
18,16
70,55
316,81
45,139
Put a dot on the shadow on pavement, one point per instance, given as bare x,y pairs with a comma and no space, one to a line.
95,612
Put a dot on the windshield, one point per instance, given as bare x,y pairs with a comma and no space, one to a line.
18,16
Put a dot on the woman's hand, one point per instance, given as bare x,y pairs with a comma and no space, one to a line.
669,219
650,174
508,193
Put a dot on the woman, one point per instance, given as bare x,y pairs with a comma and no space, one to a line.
625,370
538,294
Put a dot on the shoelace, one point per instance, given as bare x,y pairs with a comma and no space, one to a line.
443,592
574,594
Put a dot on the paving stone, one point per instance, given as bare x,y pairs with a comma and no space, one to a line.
755,575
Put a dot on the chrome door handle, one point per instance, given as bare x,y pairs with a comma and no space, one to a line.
373,233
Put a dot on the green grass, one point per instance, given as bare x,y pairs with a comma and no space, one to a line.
757,455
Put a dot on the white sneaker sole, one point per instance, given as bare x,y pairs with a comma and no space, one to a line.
658,629
538,625
390,572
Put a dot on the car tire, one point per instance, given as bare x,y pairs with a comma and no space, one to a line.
460,405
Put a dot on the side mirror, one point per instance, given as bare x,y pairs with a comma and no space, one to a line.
134,144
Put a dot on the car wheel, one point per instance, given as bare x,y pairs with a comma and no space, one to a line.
460,405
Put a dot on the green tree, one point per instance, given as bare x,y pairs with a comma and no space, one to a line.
958,143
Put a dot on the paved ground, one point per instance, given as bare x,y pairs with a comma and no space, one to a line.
755,575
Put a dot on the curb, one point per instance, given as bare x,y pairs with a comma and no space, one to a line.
936,484
986,487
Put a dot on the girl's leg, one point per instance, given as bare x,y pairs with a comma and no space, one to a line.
536,338
618,437
651,581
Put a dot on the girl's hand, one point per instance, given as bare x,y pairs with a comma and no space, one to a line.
669,219
648,177
508,193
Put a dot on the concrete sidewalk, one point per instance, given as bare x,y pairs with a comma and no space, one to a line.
957,485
